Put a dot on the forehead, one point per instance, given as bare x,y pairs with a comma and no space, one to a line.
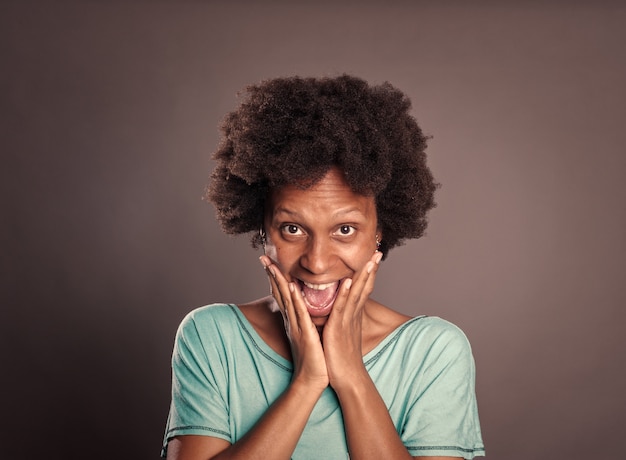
331,194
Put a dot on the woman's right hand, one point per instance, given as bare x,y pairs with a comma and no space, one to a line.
306,346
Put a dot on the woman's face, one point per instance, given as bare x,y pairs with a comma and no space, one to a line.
320,235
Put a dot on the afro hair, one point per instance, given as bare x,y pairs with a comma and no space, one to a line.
293,130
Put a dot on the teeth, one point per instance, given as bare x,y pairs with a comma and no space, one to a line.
318,287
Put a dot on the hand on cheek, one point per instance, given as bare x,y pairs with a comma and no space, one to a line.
342,334
306,347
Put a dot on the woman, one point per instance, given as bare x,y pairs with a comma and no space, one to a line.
328,175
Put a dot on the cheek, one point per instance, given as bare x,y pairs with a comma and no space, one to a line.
271,251
286,259
357,256
280,254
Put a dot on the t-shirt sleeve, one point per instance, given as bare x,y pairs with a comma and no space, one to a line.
443,419
199,405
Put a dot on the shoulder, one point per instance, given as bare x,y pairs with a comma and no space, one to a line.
208,314
433,328
435,338
207,321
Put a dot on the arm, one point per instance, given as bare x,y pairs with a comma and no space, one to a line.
370,431
277,433
274,436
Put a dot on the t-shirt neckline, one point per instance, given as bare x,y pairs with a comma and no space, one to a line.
273,355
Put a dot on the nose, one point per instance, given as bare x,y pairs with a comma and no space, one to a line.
318,256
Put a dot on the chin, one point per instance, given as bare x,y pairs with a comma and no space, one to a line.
319,321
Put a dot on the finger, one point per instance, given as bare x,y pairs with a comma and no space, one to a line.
371,268
364,281
271,274
354,292
301,313
342,297
281,298
284,289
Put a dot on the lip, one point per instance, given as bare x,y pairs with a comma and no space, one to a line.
326,309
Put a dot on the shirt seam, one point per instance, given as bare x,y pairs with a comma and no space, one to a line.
457,448
392,339
256,345
198,427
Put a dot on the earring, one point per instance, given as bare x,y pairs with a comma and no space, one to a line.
377,243
263,239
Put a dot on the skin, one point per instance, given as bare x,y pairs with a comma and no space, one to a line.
322,234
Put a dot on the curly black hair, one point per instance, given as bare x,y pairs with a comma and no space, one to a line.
293,130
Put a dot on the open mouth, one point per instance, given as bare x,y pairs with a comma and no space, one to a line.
319,298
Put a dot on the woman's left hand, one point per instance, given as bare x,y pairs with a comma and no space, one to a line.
342,334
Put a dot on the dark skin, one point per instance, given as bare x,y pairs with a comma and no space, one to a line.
324,235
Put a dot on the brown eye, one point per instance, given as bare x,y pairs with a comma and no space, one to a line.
346,230
291,229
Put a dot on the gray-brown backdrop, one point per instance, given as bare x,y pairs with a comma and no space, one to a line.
109,115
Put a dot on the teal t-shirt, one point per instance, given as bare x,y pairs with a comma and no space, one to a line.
225,377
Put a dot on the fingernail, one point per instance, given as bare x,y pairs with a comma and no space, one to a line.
347,283
271,269
292,287
378,257
263,261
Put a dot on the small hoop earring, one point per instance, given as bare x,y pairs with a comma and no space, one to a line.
377,243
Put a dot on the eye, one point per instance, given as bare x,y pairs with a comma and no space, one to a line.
291,229
346,230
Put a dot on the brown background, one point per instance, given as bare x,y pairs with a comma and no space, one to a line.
109,115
